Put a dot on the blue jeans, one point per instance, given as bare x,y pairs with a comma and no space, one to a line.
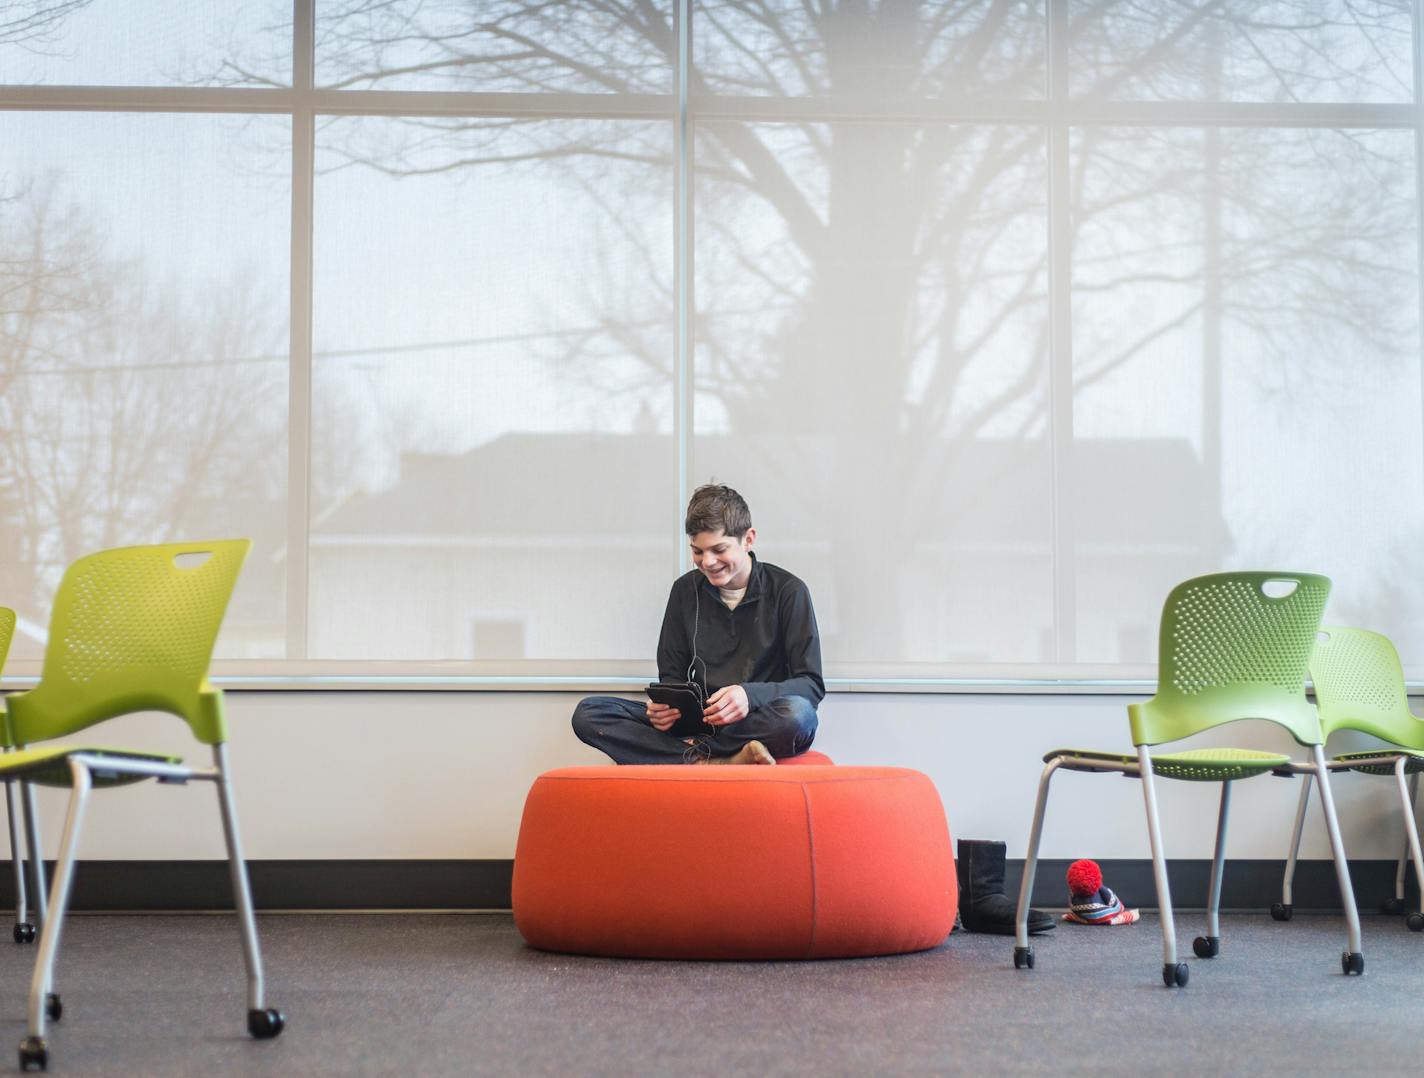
786,726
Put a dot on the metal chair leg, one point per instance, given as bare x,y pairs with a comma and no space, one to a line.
1209,945
1353,960
1411,838
36,852
24,931
42,1003
1404,854
1023,953
262,1021
1174,973
1281,911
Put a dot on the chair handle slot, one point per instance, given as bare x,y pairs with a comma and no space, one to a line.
1279,588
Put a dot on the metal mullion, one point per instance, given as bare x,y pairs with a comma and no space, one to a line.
1060,341
325,101
682,380
652,106
655,106
303,46
1056,110
1418,53
146,99
299,380
1237,114
870,110
463,103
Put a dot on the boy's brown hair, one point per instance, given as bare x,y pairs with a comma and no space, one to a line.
715,507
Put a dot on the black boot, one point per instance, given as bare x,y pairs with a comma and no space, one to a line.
982,902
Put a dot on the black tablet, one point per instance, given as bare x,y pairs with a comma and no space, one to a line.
687,698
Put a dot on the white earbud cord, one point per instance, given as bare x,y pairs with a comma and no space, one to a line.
696,618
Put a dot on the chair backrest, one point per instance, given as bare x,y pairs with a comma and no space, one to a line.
133,629
1234,646
1359,685
7,632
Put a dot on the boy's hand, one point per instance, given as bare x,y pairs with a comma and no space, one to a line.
726,706
661,715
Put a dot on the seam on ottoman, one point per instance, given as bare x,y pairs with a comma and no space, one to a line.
787,779
811,848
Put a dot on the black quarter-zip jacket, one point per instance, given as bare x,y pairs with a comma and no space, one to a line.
769,644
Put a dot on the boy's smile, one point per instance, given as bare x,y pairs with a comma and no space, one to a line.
725,561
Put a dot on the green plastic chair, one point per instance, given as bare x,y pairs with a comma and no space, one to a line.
1359,685
132,630
1233,646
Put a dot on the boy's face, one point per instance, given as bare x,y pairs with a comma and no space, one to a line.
725,562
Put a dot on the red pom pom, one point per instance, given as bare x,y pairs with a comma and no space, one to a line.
1084,878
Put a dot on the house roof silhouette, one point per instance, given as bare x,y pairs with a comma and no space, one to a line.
1140,493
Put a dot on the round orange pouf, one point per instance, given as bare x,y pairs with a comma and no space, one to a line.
734,862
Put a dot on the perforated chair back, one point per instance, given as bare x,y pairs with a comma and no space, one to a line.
133,629
7,632
1234,646
1359,685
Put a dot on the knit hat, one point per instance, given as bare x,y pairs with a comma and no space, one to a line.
1090,902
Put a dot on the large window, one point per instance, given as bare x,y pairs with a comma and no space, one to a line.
1006,315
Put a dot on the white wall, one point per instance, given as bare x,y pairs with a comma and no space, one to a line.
444,775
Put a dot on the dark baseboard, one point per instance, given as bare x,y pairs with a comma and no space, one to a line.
287,885
485,885
1245,884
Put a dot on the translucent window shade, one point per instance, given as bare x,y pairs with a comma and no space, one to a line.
925,50
1246,347
1242,50
871,373
495,464
146,43
492,427
143,353
496,46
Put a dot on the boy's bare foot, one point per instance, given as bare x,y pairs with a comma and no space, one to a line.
753,752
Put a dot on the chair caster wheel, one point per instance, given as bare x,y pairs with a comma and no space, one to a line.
24,932
1352,962
264,1025
54,1009
1174,976
1394,907
1023,958
1281,911
1415,921
1207,946
33,1051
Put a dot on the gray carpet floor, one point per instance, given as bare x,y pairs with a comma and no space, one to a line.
461,994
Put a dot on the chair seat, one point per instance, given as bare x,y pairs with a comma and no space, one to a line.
46,766
1413,760
1193,765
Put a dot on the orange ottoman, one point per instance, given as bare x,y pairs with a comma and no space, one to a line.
734,862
